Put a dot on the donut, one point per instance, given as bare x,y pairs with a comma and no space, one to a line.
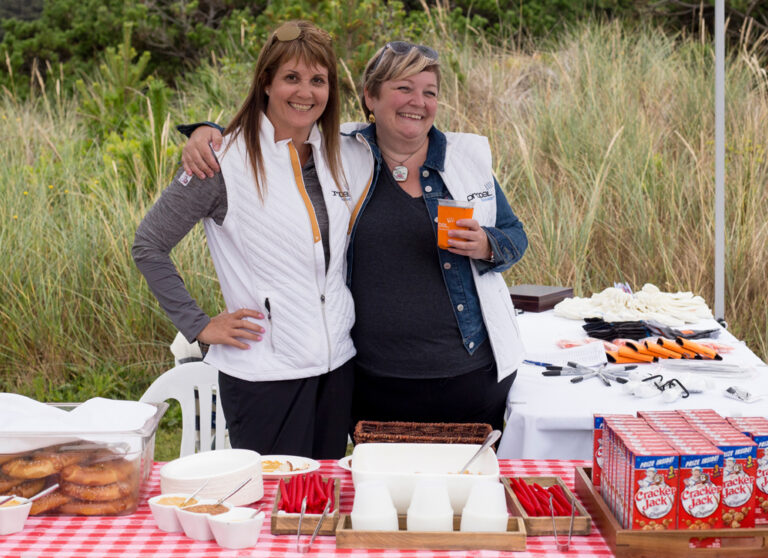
100,493
99,474
27,488
39,465
49,502
112,507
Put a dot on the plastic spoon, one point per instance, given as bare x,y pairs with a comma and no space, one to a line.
195,493
220,500
489,440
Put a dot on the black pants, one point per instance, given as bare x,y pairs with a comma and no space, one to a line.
473,397
308,416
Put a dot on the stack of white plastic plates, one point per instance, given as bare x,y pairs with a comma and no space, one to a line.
223,470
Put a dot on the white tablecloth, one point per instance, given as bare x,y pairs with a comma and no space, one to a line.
551,418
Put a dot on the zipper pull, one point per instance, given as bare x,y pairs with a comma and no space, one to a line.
269,309
322,298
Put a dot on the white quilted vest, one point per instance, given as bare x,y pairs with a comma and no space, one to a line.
269,257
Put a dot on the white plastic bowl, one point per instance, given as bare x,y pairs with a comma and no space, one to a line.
224,470
195,525
165,514
236,529
399,466
13,517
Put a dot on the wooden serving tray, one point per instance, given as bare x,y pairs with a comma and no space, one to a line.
735,543
512,539
534,526
288,523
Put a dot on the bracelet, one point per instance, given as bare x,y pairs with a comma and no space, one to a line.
491,258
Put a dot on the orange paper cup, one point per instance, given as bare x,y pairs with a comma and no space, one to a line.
448,212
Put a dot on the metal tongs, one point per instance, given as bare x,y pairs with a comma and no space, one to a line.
305,548
301,518
562,547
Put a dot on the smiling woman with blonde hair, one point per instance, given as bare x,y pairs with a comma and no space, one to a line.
275,221
435,330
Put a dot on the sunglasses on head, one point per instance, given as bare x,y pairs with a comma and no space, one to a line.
404,47
290,32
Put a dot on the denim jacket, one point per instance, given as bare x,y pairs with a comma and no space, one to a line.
507,237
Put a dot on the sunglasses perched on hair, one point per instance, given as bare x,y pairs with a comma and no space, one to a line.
290,32
404,47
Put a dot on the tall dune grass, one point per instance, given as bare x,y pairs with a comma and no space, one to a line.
603,142
608,155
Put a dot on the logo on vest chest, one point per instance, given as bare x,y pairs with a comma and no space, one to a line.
344,195
486,194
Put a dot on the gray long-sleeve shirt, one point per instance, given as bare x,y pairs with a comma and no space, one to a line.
182,204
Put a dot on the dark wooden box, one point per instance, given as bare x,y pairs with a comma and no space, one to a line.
538,298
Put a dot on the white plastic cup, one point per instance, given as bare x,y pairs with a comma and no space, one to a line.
486,509
372,509
430,508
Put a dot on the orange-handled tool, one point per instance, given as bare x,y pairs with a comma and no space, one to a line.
640,348
660,351
615,358
698,348
630,353
672,346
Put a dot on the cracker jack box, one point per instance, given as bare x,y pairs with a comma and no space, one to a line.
654,482
739,476
700,488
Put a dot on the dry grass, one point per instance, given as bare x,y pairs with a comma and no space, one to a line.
603,143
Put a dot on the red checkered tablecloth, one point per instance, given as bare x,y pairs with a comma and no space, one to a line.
137,536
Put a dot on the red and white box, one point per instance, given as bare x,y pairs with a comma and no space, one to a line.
700,487
705,415
654,480
739,478
597,447
757,429
761,477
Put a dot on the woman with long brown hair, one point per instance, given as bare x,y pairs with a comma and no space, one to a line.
275,220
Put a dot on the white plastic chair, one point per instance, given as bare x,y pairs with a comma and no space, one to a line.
182,383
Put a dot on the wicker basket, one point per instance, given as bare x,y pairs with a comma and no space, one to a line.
421,432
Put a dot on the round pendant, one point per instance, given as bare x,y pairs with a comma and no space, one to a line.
400,173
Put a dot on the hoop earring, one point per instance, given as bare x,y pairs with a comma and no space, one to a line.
371,118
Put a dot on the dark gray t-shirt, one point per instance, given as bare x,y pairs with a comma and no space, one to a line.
179,208
404,321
